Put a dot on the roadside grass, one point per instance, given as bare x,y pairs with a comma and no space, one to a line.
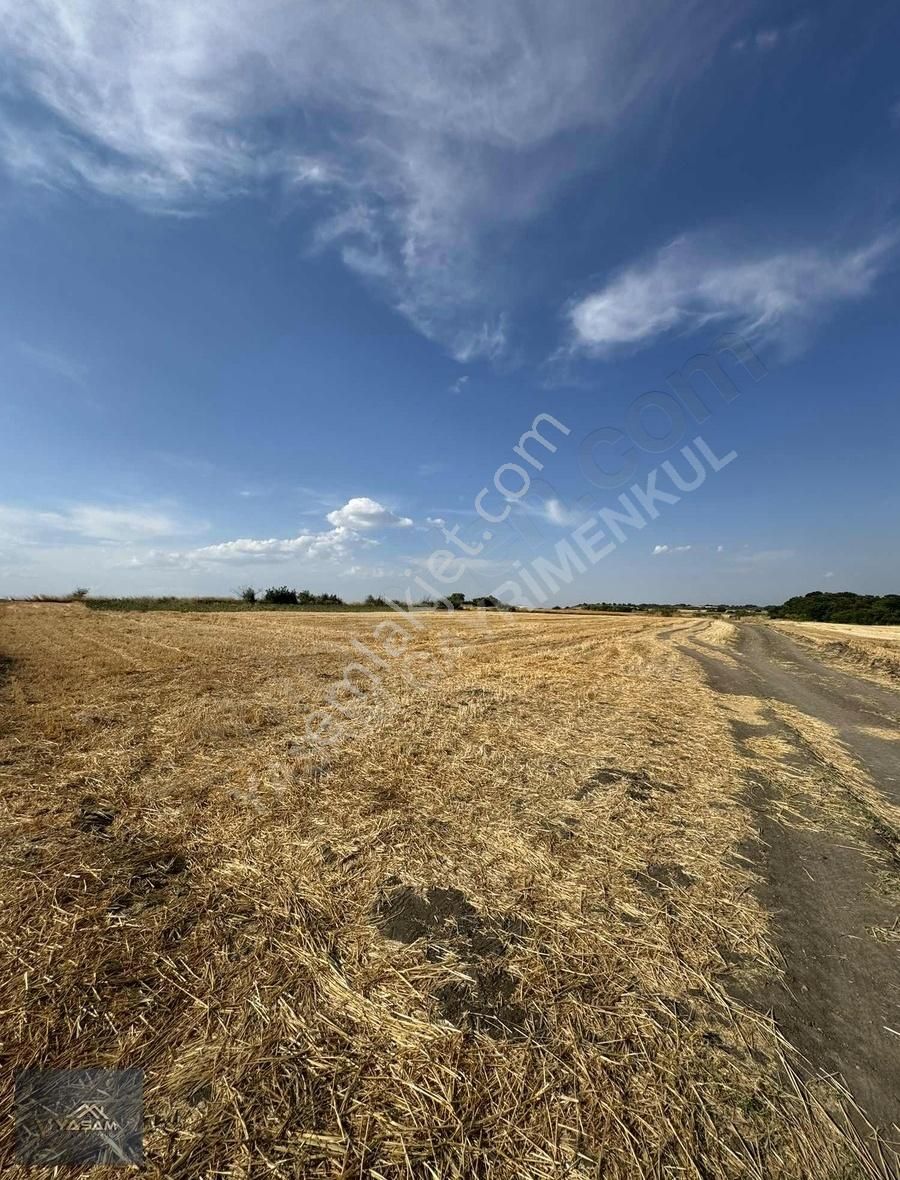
195,605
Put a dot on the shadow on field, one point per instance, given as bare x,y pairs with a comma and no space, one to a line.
448,924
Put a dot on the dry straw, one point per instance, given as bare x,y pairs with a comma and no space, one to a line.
500,931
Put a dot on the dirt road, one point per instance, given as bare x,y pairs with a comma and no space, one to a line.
833,880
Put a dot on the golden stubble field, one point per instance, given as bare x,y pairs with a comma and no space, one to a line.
873,652
498,928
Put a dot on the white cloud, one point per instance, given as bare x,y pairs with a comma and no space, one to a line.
436,522
556,512
334,543
359,516
770,38
128,528
660,549
370,571
91,521
414,125
361,513
767,39
117,524
765,556
54,362
459,384
698,280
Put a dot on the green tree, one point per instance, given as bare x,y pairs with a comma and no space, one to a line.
280,596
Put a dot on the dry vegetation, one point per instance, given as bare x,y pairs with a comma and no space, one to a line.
868,651
498,931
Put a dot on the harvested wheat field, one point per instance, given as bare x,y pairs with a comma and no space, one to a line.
508,921
889,635
869,651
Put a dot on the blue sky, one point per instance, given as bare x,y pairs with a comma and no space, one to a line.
283,285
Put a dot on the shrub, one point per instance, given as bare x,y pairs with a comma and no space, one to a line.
80,594
280,596
248,594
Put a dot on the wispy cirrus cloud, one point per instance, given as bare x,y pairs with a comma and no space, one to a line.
764,556
53,361
415,129
553,511
770,37
92,522
780,294
435,467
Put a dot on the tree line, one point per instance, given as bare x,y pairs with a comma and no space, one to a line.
840,607
285,596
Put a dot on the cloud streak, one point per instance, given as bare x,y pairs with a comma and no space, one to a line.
697,280
92,522
415,128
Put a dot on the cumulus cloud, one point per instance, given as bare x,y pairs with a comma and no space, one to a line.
129,528
697,280
357,517
415,126
361,513
660,549
332,544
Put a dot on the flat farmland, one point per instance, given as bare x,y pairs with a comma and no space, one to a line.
451,896
873,652
874,634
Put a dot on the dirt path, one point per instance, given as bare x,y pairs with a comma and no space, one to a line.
829,884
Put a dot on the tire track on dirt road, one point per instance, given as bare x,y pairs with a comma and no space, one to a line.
829,885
